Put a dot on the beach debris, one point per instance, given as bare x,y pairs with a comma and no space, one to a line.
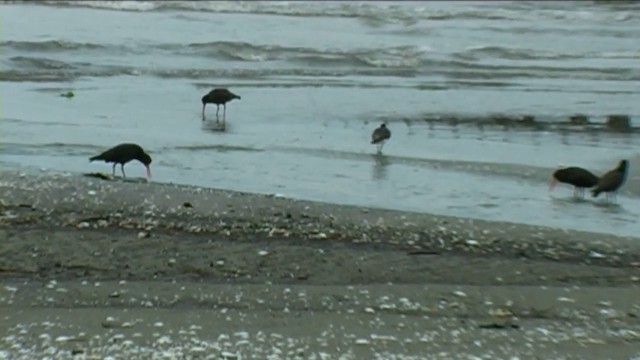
459,293
507,325
98,175
112,323
423,252
164,340
143,234
279,231
69,94
596,255
263,253
377,337
502,313
566,299
229,355
619,122
187,205
579,119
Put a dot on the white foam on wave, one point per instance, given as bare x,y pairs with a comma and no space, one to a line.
111,5
390,12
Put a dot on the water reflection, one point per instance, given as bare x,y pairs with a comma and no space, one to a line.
380,163
213,126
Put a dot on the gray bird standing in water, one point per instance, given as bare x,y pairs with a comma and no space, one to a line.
613,180
219,96
380,136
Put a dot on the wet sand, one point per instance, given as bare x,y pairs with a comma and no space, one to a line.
100,268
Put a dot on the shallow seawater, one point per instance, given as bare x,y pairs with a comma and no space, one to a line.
316,79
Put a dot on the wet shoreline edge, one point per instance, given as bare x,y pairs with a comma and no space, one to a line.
68,201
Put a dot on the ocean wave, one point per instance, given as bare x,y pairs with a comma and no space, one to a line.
398,61
370,12
501,52
40,63
43,69
392,57
397,56
630,33
400,57
49,45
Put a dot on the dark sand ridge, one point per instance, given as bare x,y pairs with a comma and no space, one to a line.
260,275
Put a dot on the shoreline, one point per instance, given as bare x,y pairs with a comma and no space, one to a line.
178,271
77,201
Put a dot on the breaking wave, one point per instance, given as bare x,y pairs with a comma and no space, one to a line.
370,12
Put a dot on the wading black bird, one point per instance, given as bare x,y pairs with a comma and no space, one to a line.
612,181
219,97
380,135
578,177
122,154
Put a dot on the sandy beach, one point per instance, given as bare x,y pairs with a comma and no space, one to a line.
99,269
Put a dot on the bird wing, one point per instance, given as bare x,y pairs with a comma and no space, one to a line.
377,136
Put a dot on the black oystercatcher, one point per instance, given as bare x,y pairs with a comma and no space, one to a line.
219,97
380,135
612,181
578,177
122,154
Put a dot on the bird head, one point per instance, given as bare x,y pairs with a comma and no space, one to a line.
623,165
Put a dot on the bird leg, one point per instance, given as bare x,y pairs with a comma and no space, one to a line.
203,106
224,113
122,168
113,173
611,197
217,111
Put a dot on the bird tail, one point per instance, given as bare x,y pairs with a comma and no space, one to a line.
97,157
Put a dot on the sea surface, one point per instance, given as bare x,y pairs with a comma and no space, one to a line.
478,97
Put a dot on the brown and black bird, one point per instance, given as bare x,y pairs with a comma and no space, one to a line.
380,136
219,96
580,178
122,154
612,181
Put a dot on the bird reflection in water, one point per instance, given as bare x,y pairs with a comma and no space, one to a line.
380,163
214,127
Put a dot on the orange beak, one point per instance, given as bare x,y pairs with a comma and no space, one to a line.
552,183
